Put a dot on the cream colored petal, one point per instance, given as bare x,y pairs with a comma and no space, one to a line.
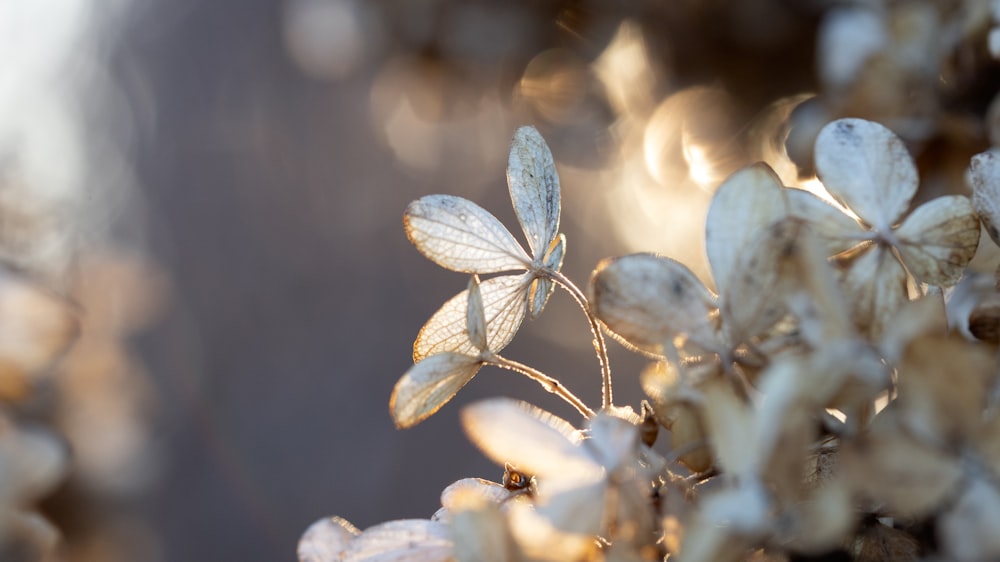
409,540
910,478
457,234
747,201
542,287
646,300
938,240
457,493
476,315
531,439
534,189
866,167
838,231
875,285
479,529
943,388
504,305
326,540
36,326
984,175
755,294
428,385
731,428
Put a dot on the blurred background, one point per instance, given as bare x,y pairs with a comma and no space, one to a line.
207,291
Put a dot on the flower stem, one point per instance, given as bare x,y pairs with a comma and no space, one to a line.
547,382
595,328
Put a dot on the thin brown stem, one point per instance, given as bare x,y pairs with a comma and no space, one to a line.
595,328
548,383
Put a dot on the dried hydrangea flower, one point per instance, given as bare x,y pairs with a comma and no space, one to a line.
459,235
867,169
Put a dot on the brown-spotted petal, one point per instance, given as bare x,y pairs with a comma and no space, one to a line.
866,167
646,300
534,189
748,200
939,239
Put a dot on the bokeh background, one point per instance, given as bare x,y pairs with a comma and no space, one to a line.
217,186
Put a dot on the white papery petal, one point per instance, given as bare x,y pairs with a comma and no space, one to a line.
875,284
534,189
984,175
479,529
578,509
476,315
731,426
457,234
531,439
867,168
747,201
505,303
406,540
939,239
837,231
613,441
454,494
428,385
646,300
326,540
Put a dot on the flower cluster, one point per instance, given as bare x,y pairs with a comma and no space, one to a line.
834,396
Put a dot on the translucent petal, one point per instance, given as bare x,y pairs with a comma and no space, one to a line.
939,239
534,189
875,284
646,300
535,441
326,540
457,234
504,304
488,491
613,441
479,529
428,385
750,199
867,168
984,175
406,540
838,231
542,287
578,510
476,315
